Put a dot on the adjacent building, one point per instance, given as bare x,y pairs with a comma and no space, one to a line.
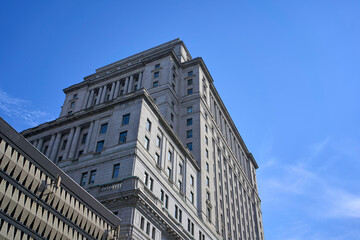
150,138
39,201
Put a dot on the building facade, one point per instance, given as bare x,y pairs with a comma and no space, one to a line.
39,201
151,139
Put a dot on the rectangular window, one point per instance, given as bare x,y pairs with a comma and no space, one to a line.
158,141
191,180
80,153
122,138
180,215
172,117
146,178
169,172
83,139
162,195
148,228
190,73
64,145
142,223
208,213
207,166
99,146
206,153
72,104
126,119
92,176
75,96
157,158
180,185
156,74
192,197
169,156
148,125
176,211
103,128
189,122
166,201
189,82
189,91
192,228
206,128
83,178
153,233
180,169
155,84
189,134
157,66
116,170
207,196
135,87
151,184
189,146
206,140
146,143
189,110
189,225
207,181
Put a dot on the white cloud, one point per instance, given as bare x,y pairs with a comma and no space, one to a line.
22,109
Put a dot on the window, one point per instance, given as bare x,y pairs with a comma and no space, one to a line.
162,195
116,170
142,223
206,153
207,181
147,228
158,141
148,125
189,110
99,146
69,112
208,213
189,82
83,139
192,197
151,184
190,73
135,87
80,153
191,180
155,84
147,143
83,178
180,169
207,166
153,236
157,158
206,140
189,146
172,117
75,96
192,228
189,225
103,128
92,176
189,134
180,215
169,172
64,145
146,178
156,74
157,66
189,122
206,128
126,119
72,104
122,138
176,211
60,159
189,91
172,105
169,156
166,201
180,185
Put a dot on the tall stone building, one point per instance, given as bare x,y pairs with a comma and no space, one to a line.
151,139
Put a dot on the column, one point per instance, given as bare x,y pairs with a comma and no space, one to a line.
98,96
140,78
116,92
74,143
91,98
103,95
85,100
68,144
40,143
56,147
112,90
51,143
126,85
88,138
130,87
35,143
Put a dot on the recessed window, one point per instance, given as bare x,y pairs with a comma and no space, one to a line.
207,166
147,143
192,197
189,134
151,184
72,104
206,128
146,178
189,122
162,195
135,87
142,223
158,141
207,181
180,169
153,233
75,96
155,84
190,73
64,145
80,153
166,201
191,180
99,146
169,156
92,176
169,172
83,178
126,119
206,153
172,117
60,159
189,110
208,196
103,128
189,146
69,112
156,74
148,125
189,82
122,138
206,140
157,66
189,91
179,184
157,158
147,228
83,139
172,104
116,170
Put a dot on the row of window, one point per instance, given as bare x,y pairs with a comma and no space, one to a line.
84,176
142,226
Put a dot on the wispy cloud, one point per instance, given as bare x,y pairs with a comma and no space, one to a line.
22,109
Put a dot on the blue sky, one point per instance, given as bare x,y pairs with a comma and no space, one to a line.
288,72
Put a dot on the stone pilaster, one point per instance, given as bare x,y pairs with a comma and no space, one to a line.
51,143
68,144
56,147
74,142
